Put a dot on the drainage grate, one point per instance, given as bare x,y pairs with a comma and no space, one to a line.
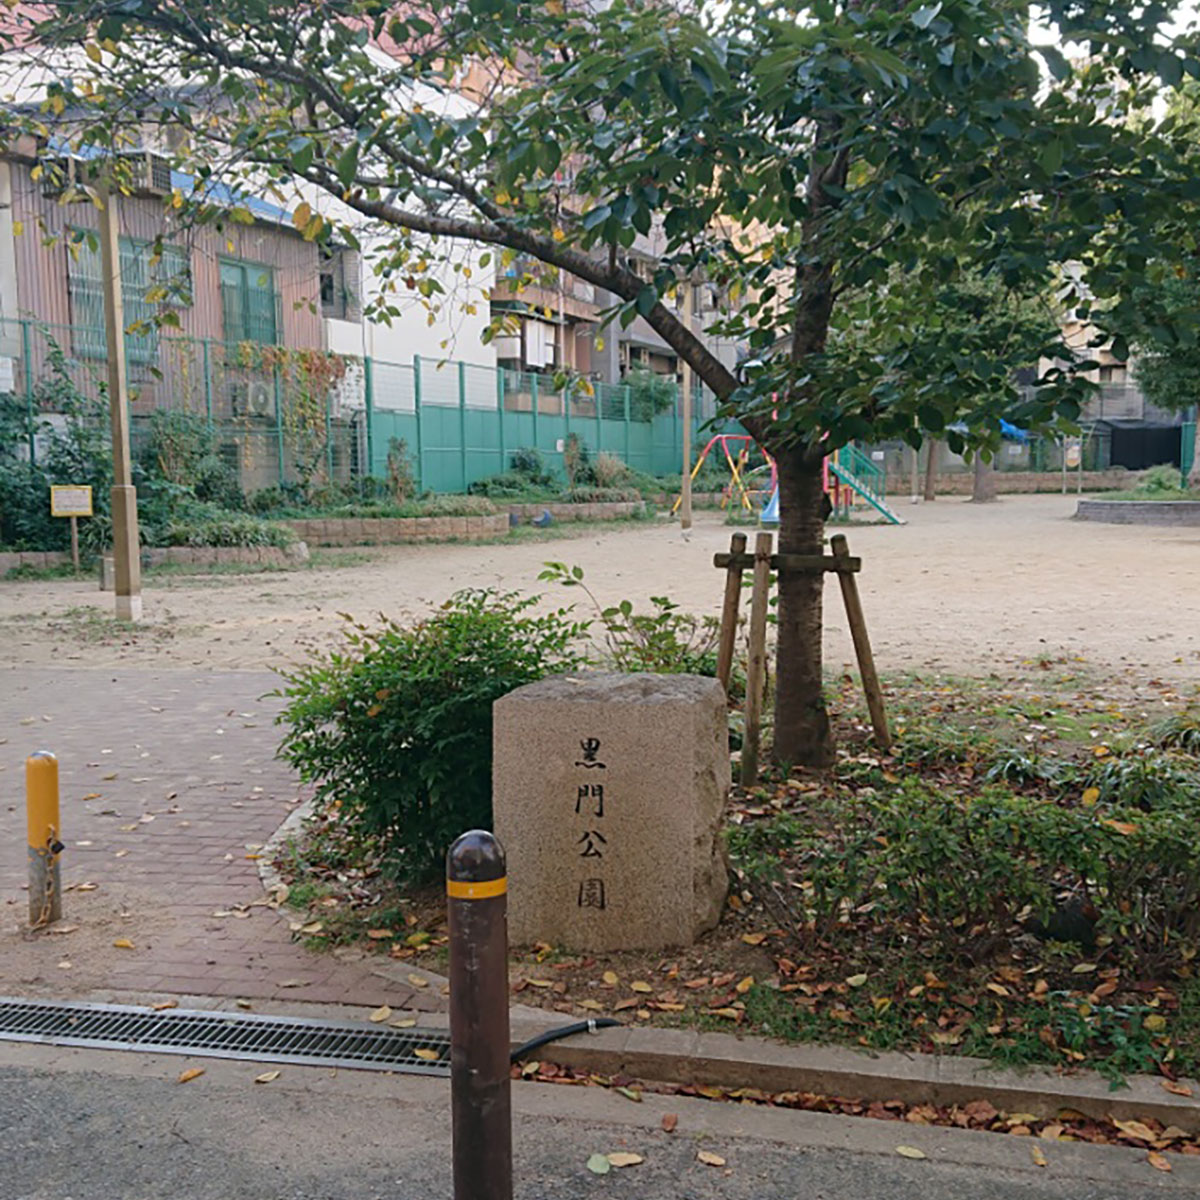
227,1035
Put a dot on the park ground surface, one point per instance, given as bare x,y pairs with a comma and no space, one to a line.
170,792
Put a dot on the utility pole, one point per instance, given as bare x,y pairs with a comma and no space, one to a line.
126,543
685,508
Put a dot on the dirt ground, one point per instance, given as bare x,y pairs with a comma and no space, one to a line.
960,588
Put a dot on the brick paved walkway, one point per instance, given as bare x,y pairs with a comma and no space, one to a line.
169,785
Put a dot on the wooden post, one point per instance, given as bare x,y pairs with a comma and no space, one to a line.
729,613
75,543
862,646
126,543
757,662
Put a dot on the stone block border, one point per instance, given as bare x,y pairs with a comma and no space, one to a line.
611,510
158,556
1140,512
392,531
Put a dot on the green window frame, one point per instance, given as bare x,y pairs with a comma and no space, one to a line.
150,283
249,302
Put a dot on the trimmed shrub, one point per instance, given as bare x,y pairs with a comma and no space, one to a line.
395,728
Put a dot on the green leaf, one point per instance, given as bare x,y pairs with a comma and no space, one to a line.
347,164
647,298
598,1164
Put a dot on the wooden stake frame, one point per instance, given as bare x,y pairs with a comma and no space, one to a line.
763,562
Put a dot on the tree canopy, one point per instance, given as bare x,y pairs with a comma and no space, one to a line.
802,156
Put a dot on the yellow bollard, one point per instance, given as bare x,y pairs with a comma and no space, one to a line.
41,806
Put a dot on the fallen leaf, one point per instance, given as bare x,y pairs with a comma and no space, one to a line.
669,1122
856,981
1083,968
86,887
630,1094
123,944
1135,1129
403,1023
1155,1023
381,1014
744,985
709,1159
163,1005
312,927
754,939
1090,795
598,1164
64,929
190,1074
623,1158
611,978
910,1152
418,981
640,985
1177,1089
379,935
1039,1158
266,1077
731,1013
1158,1161
541,983
427,1055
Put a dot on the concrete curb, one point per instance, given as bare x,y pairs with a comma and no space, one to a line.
721,1060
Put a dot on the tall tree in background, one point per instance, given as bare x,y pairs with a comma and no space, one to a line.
797,154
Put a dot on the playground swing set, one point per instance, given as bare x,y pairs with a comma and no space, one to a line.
850,476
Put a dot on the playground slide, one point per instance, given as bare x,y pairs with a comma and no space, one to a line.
877,502
770,514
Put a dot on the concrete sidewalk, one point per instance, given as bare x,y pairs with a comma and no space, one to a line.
97,1125
169,789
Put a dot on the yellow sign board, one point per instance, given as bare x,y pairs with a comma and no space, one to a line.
70,501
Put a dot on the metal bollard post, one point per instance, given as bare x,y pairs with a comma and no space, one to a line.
480,1100
41,807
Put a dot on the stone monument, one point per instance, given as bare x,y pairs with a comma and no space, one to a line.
608,794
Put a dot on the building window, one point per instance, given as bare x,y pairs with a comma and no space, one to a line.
153,281
337,284
249,303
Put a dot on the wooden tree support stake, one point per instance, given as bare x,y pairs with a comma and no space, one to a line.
729,611
757,663
862,646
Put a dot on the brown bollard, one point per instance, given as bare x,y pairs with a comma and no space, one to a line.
480,1100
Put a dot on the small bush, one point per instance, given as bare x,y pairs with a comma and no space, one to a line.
1164,478
611,471
577,462
528,462
1181,731
395,729
964,870
227,529
513,486
599,495
402,476
1142,778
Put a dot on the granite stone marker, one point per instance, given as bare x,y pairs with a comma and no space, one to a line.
609,793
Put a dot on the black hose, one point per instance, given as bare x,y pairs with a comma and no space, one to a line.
553,1035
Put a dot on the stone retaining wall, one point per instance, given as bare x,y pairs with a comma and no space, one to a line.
389,531
1140,512
1010,482
609,510
158,556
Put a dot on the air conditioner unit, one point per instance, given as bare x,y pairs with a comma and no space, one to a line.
251,398
150,173
64,173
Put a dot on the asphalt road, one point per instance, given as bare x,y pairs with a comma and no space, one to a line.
97,1125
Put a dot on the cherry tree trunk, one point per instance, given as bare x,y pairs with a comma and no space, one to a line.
983,489
803,736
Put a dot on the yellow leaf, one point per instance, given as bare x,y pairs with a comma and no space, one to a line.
123,944
1101,751
1155,1023
640,985
1158,1161
379,935
591,1005
611,978
418,981
559,236
381,1014
910,1152
1083,968
1036,1153
541,983
1090,796
403,1023
266,1077
731,1013
1176,1088
709,1159
92,51
857,981
999,989
624,1159
427,1055
163,1005
754,939
190,1074
302,215
744,985
312,927
881,1003
1135,1129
